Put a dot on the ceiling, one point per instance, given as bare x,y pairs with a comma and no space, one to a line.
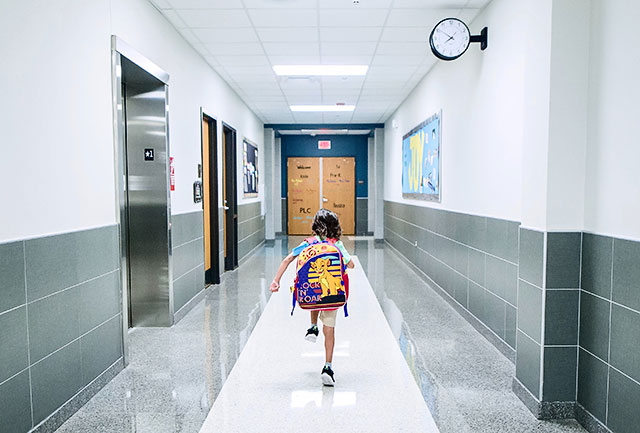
243,39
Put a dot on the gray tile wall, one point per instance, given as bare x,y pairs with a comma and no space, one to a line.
251,229
548,302
472,259
362,216
60,315
609,355
187,240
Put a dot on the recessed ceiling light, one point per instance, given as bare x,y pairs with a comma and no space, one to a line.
320,70
322,107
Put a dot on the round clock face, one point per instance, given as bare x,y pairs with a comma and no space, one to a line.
450,39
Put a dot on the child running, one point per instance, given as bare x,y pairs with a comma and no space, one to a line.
325,226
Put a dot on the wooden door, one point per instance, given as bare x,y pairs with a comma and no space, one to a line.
206,154
339,190
303,198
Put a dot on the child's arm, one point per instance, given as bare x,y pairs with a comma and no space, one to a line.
275,284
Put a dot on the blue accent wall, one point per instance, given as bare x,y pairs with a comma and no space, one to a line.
341,146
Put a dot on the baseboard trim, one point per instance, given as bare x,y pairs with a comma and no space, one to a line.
68,409
587,420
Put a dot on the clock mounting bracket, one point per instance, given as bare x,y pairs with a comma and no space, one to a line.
482,38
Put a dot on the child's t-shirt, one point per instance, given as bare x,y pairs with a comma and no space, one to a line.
346,257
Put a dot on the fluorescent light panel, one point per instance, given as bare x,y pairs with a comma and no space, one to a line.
320,70
323,108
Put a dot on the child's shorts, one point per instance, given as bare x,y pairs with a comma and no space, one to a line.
328,317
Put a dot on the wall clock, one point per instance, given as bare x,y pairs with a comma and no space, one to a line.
450,39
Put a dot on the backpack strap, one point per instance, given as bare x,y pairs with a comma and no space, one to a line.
346,312
294,301
312,240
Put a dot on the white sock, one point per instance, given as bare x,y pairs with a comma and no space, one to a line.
327,364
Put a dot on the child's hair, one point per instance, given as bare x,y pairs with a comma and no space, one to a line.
326,225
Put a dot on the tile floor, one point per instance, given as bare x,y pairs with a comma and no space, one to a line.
175,374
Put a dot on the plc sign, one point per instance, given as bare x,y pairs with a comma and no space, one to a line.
324,144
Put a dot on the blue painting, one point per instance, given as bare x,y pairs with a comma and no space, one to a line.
421,160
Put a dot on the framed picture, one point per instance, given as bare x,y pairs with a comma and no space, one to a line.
250,168
421,160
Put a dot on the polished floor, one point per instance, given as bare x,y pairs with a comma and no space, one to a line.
176,375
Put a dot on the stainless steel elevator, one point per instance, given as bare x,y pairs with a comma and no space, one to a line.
141,103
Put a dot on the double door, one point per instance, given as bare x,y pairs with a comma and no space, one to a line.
320,182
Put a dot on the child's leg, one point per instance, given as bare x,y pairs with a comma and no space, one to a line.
329,341
314,317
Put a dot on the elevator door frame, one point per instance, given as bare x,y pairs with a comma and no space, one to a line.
120,49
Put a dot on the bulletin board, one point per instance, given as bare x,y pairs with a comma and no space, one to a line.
250,168
421,162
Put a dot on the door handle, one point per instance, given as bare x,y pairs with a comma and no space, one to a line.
324,200
225,207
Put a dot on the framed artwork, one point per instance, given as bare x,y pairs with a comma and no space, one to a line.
421,160
250,168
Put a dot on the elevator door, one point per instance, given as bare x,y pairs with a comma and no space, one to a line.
147,198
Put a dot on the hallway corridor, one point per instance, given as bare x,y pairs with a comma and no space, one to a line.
175,375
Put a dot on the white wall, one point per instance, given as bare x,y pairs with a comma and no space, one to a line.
612,187
57,139
482,100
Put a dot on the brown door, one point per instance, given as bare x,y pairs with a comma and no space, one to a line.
338,190
210,200
206,146
303,193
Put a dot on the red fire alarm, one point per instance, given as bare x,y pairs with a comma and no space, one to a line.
172,174
324,144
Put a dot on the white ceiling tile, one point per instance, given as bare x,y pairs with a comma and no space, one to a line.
206,4
235,49
281,4
347,48
406,34
174,19
348,4
430,4
291,48
214,18
308,117
424,18
243,60
161,4
213,36
346,60
352,18
351,34
295,60
419,49
288,34
283,17
384,60
260,72
189,36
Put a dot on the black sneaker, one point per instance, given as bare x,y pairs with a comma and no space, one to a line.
327,376
312,334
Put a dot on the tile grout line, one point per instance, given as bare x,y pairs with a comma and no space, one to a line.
187,243
617,304
441,289
517,310
76,339
72,287
543,323
190,270
26,308
579,318
453,240
606,413
636,381
453,269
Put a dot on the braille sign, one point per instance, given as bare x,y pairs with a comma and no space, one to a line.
148,154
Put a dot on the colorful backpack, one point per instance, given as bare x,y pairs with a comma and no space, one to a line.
321,282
